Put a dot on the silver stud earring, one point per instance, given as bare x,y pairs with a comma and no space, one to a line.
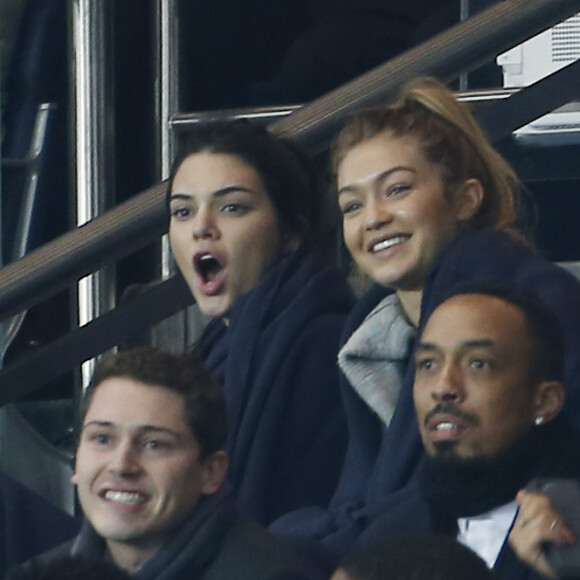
539,421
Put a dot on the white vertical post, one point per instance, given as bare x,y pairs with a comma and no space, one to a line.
167,99
93,144
463,15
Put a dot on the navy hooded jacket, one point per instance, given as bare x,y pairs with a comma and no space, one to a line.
381,461
277,361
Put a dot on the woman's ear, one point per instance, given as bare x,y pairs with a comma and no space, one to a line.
468,199
549,400
290,242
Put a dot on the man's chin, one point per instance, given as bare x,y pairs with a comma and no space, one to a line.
447,458
445,449
447,453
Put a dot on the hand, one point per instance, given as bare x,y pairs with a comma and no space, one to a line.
538,522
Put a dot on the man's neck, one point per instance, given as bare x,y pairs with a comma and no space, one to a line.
130,557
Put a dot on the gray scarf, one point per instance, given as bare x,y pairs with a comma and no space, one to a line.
375,356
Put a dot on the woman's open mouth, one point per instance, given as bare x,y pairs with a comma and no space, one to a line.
210,272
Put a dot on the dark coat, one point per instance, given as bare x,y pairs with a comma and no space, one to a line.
408,510
277,362
29,524
216,543
381,461
411,515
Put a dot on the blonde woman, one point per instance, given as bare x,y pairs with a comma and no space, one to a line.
426,203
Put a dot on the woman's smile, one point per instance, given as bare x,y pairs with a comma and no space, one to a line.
396,215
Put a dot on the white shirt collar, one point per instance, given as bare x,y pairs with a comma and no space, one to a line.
485,534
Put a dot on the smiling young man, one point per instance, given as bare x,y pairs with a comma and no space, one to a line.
488,396
150,473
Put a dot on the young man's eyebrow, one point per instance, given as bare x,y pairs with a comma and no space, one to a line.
97,423
142,429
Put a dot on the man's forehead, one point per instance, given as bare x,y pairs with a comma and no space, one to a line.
475,319
121,400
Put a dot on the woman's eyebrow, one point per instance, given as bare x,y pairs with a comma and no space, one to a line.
175,196
218,193
374,178
232,189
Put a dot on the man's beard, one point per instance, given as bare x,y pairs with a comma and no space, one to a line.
456,487
464,486
444,450
445,459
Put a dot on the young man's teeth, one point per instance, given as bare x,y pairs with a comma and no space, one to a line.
389,243
125,497
446,426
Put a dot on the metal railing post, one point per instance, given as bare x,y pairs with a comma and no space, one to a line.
167,92
459,49
93,142
142,218
11,327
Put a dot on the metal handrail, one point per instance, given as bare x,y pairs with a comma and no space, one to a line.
182,122
138,221
134,316
265,115
116,234
160,301
142,219
459,49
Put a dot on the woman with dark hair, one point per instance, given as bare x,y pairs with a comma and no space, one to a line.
244,210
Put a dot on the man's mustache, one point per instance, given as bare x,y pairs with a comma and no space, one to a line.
450,409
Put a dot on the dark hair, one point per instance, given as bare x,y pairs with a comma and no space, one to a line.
69,567
414,557
547,357
450,137
185,374
288,177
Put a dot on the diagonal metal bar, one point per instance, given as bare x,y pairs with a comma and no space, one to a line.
127,320
52,267
459,49
143,218
502,118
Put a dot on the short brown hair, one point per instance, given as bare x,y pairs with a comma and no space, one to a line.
205,411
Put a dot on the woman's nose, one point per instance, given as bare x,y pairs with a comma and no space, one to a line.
205,226
377,214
